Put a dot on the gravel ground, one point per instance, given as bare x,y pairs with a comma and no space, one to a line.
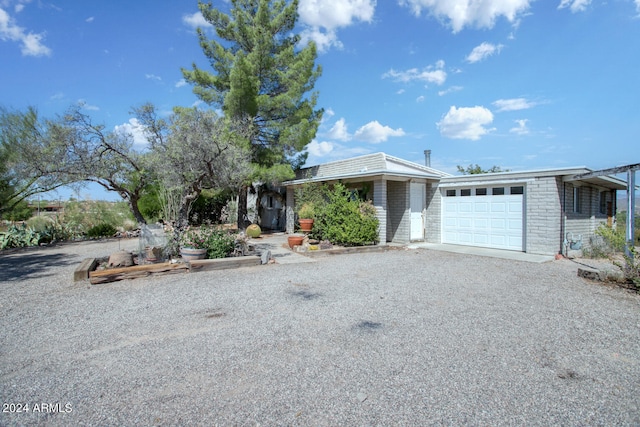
404,337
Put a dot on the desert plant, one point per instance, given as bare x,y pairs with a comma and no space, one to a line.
19,237
615,239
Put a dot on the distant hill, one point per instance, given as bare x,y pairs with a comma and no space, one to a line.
622,204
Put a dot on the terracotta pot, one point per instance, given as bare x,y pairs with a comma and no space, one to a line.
306,225
190,254
295,241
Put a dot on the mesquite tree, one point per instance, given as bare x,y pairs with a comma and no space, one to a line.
261,74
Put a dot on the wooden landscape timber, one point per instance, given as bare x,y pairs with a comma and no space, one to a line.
223,263
136,271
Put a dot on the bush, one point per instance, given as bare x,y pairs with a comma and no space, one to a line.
218,243
616,240
345,220
101,230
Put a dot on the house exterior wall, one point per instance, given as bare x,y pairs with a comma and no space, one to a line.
585,222
433,214
399,212
380,203
543,214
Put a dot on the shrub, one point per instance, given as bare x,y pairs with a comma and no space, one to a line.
345,220
218,243
616,240
101,230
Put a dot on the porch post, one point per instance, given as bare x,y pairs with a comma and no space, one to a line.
631,211
289,211
380,203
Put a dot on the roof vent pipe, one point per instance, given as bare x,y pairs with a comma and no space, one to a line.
427,158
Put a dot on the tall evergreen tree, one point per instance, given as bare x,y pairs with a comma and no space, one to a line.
261,74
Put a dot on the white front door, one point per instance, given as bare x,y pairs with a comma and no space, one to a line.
416,196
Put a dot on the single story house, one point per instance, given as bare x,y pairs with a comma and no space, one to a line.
539,211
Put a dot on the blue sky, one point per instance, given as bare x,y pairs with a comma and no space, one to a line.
519,84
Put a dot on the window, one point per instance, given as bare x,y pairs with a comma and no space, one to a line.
465,192
577,203
451,193
481,191
603,202
517,190
498,191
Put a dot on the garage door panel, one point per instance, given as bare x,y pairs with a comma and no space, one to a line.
486,221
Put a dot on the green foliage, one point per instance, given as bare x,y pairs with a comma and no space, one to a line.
346,220
262,74
19,212
476,169
218,243
101,230
308,197
307,211
208,207
80,216
19,237
614,238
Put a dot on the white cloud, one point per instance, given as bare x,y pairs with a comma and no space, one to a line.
89,19
86,106
324,17
420,99
319,149
339,131
31,43
459,14
521,129
575,5
374,132
465,123
195,20
181,82
153,77
450,90
483,51
431,74
513,104
135,129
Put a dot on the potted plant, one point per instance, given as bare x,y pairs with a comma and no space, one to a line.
194,245
306,215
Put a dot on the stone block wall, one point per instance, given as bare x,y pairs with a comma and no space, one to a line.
399,213
380,203
543,214
433,214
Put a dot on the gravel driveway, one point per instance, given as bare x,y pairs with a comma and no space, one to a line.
404,337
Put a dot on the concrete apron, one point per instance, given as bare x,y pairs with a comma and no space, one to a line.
494,253
280,252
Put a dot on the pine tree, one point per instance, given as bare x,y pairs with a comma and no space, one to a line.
260,73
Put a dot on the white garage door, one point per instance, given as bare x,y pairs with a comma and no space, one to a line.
491,221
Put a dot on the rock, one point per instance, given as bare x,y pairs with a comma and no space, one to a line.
121,259
591,274
265,257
